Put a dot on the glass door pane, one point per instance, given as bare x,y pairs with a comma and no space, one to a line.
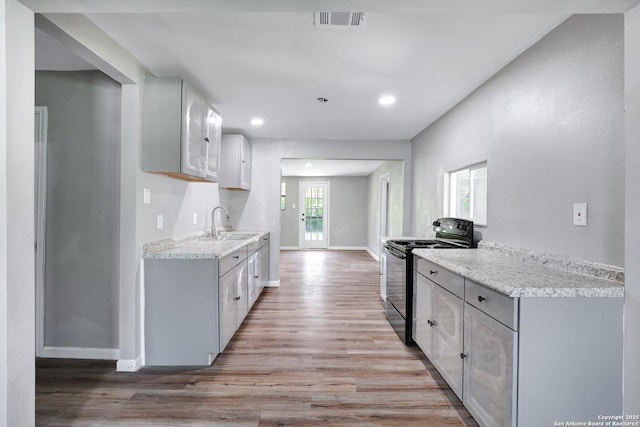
313,221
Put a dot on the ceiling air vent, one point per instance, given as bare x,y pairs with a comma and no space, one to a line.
339,19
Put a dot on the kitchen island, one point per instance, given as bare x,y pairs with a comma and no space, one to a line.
522,343
197,292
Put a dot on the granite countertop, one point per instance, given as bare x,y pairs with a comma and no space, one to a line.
517,277
198,246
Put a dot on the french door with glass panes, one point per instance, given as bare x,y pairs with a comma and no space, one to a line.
314,215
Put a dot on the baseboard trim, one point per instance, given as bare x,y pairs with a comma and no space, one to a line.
272,284
129,365
348,248
289,248
81,353
374,256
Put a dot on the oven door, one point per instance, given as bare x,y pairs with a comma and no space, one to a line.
396,279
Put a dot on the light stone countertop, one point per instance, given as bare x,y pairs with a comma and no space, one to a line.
520,278
197,246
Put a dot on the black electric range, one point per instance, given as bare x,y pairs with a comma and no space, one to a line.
451,233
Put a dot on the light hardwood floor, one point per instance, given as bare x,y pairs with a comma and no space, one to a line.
316,351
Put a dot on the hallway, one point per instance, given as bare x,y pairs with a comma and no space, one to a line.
317,350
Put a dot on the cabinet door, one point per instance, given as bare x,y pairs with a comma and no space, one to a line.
245,164
265,266
253,272
193,161
227,307
242,292
447,340
213,135
489,367
423,323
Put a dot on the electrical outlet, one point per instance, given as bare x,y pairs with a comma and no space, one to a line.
580,214
195,218
147,196
160,222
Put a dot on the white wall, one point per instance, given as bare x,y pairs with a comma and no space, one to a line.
260,208
551,127
397,208
17,325
348,203
632,207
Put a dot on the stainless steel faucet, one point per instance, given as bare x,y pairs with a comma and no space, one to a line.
214,230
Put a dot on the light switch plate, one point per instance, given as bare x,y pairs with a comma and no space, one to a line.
147,196
580,214
195,218
160,222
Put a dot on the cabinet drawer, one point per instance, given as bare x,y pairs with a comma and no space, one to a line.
231,260
264,240
254,246
443,277
499,306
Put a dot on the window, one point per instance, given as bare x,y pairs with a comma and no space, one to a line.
466,196
283,196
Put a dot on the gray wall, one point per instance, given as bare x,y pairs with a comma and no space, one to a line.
550,126
395,169
83,181
348,205
632,242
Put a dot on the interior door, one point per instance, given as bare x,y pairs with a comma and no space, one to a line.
314,215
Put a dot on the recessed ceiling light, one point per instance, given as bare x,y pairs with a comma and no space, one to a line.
387,100
257,121
307,165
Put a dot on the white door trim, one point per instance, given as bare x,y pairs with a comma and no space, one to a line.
324,244
384,205
41,124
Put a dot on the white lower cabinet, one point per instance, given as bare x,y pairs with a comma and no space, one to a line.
489,366
525,362
193,307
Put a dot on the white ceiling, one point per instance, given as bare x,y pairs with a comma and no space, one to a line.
252,58
329,167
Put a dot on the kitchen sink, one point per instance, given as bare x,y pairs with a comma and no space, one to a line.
233,236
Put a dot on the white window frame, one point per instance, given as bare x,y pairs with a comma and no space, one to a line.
449,191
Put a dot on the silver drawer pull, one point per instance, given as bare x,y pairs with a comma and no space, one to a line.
237,298
433,271
431,323
481,298
462,355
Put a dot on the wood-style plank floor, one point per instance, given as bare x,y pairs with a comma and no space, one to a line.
315,351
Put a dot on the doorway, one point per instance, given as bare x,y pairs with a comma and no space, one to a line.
314,215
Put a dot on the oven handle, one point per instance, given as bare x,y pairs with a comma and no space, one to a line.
394,252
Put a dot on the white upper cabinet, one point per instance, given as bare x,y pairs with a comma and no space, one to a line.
181,132
235,165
